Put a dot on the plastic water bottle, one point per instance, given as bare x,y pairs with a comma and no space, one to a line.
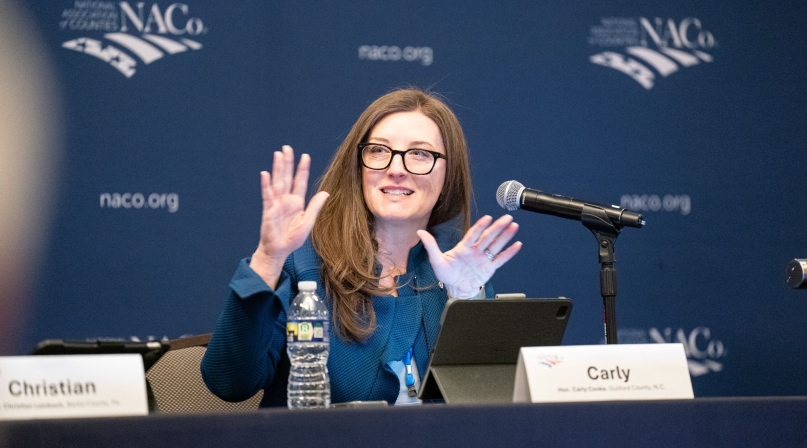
307,345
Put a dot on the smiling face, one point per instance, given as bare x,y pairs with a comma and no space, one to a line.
395,196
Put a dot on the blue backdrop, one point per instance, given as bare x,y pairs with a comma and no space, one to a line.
690,113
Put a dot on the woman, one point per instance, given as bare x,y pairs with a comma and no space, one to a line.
385,248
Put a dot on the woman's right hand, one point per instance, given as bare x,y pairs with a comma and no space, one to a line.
286,222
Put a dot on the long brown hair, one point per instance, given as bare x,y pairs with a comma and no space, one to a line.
343,232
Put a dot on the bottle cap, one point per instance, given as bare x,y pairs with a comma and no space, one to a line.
307,286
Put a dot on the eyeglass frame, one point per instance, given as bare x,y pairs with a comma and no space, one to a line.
393,152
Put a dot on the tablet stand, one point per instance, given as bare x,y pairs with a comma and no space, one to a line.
471,384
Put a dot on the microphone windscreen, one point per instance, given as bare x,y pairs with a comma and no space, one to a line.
508,193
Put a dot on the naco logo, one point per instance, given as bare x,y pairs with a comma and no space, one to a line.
677,45
704,353
147,33
550,360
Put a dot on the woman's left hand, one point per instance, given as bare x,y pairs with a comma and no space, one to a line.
472,262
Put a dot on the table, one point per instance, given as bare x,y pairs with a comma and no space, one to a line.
708,422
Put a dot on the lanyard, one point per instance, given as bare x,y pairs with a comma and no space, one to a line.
410,378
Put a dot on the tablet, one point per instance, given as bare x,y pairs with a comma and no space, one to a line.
151,351
476,351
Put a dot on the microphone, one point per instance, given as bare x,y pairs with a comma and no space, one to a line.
797,274
511,195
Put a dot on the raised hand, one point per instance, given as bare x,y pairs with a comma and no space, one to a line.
286,221
472,262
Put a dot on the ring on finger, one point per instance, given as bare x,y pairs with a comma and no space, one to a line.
489,255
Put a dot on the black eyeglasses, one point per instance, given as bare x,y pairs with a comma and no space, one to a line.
376,156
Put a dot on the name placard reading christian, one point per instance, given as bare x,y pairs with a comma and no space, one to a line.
602,373
57,386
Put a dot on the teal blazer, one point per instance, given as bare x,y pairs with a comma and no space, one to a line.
247,351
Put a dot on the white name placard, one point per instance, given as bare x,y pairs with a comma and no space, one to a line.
602,373
57,386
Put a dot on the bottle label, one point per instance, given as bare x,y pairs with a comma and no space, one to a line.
307,331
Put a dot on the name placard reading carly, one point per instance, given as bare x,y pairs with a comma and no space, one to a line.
602,373
72,386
